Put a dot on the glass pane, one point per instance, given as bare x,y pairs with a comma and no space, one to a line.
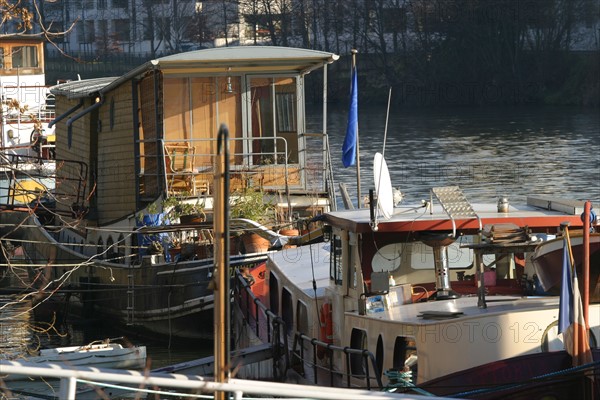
24,57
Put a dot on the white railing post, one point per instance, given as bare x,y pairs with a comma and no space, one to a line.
68,386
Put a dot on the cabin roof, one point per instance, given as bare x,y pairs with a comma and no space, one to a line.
82,88
407,219
26,38
221,60
415,313
240,58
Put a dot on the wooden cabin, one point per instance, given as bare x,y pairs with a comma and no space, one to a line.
151,133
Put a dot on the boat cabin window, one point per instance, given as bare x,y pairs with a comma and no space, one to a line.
404,353
110,249
302,317
19,58
358,340
100,248
287,310
379,354
420,256
121,249
25,57
335,261
274,125
193,108
388,258
273,293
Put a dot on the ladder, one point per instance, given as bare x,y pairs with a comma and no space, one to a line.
130,298
455,204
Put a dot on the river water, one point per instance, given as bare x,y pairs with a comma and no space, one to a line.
489,153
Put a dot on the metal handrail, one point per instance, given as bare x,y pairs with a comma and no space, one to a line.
138,382
249,162
245,296
20,167
347,352
276,333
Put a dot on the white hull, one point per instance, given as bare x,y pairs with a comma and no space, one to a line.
386,317
105,355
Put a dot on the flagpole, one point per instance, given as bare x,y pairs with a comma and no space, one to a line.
572,265
358,191
586,262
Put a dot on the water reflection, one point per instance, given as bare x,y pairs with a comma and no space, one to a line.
490,153
15,327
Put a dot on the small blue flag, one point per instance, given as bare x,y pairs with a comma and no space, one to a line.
565,310
349,147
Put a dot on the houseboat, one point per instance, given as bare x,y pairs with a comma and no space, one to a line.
139,155
26,136
400,298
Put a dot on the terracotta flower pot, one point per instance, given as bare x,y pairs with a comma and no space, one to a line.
289,232
192,218
254,243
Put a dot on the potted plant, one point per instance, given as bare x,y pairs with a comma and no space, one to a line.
250,204
185,211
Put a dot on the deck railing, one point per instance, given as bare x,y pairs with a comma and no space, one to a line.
37,103
188,166
270,328
101,380
33,181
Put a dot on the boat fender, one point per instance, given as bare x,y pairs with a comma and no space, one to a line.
325,328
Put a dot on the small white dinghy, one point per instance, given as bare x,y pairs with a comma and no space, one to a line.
100,353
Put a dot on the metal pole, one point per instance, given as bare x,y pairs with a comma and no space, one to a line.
572,263
358,190
586,262
221,273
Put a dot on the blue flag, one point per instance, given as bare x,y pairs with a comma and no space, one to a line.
349,147
565,310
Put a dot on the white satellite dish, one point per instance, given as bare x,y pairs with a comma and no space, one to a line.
383,186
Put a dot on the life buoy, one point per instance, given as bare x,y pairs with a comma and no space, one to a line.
325,328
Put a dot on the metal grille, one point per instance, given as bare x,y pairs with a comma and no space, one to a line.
454,202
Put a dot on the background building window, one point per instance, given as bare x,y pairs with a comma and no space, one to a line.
120,4
122,30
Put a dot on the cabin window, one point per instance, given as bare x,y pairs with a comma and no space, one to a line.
379,354
274,122
20,59
100,248
194,108
302,317
353,251
405,353
302,323
388,258
358,340
273,294
110,249
111,116
421,255
335,261
287,310
121,249
25,57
